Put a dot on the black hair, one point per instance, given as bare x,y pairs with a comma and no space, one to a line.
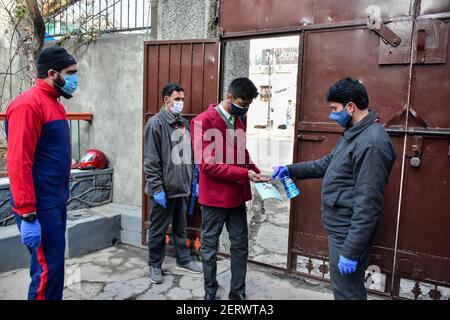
170,88
349,90
243,88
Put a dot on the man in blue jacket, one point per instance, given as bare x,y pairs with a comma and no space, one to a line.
354,175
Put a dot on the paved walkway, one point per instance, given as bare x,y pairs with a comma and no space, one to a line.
121,272
269,228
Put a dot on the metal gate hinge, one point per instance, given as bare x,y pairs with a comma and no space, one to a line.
375,24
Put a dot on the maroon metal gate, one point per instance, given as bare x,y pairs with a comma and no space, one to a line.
195,65
401,54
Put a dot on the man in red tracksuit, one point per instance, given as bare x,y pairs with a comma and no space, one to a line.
218,135
39,161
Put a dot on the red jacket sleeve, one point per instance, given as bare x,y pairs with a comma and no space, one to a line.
206,159
24,129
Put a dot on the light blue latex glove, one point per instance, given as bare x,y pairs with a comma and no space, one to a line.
30,232
346,266
280,172
160,198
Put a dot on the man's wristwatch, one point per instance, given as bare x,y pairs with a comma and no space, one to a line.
29,217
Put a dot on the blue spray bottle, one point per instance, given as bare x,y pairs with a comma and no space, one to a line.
290,187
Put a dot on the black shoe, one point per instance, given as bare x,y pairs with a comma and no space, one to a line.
238,297
210,297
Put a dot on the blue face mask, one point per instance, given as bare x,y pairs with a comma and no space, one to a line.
342,117
237,110
71,84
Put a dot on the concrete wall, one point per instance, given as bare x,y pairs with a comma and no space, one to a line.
15,81
236,61
186,19
4,52
12,79
110,86
4,57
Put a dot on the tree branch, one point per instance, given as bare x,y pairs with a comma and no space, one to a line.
38,24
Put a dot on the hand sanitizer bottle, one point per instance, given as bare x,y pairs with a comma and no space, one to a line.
290,188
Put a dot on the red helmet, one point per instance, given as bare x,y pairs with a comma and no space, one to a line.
93,159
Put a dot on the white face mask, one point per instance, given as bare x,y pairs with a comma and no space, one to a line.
177,107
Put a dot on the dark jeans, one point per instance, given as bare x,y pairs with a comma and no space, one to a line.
160,218
347,287
212,224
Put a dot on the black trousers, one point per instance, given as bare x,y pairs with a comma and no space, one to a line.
212,224
160,218
347,287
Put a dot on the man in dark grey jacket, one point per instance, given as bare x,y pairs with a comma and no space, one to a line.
168,169
354,175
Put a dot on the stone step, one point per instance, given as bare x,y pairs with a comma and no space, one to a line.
131,225
88,230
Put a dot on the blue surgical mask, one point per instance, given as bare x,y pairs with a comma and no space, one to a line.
177,107
342,117
237,110
70,85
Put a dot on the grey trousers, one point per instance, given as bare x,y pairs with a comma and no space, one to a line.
159,223
347,287
212,224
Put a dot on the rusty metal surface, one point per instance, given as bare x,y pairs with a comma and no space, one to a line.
189,62
424,248
430,38
308,233
334,11
424,223
431,97
434,7
402,53
388,35
240,17
332,55
431,42
422,252
194,64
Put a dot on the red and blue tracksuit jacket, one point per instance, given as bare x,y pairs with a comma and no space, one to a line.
39,154
39,161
